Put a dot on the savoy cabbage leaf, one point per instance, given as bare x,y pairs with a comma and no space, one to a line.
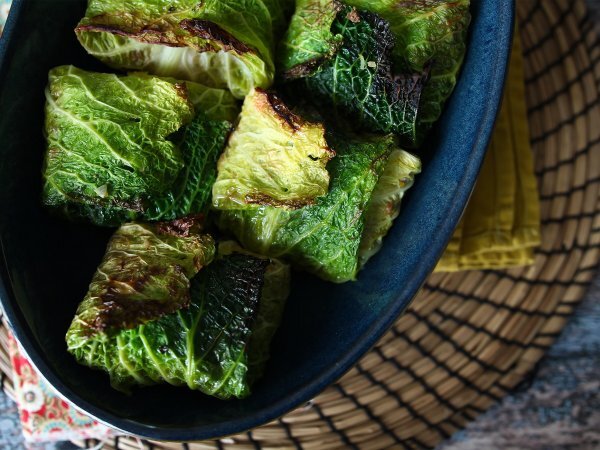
384,205
205,346
214,103
273,157
275,291
220,44
431,35
144,275
309,39
281,11
355,78
323,238
201,144
112,146
107,141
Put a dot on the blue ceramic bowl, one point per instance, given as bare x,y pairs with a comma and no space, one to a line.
46,264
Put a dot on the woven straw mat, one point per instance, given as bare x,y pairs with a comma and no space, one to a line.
469,338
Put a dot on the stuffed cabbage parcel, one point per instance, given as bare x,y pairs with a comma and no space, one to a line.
211,334
343,61
224,44
273,157
431,35
134,147
323,238
388,64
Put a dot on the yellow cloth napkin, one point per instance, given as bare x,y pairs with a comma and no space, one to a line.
501,224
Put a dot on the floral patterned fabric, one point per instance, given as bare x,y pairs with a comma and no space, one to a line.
4,8
45,416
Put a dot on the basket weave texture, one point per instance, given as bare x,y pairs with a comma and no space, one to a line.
470,337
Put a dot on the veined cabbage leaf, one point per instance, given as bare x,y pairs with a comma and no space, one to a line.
345,64
214,103
273,157
107,141
275,291
218,43
384,206
202,142
323,238
111,141
205,346
431,35
145,274
309,39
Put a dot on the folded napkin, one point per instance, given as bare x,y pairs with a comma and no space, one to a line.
501,224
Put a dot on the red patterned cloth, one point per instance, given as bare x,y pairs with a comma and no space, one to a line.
44,415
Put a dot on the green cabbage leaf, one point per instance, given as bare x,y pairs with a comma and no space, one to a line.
206,346
384,206
281,11
309,39
323,238
273,157
114,146
275,291
145,274
431,35
201,144
350,70
220,44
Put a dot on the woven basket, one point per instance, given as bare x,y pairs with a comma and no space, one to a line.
469,338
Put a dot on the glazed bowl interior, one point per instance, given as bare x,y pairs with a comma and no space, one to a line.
47,263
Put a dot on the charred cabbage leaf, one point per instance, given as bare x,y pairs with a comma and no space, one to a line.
144,275
323,238
357,81
273,157
384,206
275,291
111,142
205,346
218,43
430,35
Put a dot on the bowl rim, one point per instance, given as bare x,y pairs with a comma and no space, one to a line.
503,35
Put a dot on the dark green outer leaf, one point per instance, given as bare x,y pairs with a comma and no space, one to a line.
202,143
357,82
430,35
275,291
